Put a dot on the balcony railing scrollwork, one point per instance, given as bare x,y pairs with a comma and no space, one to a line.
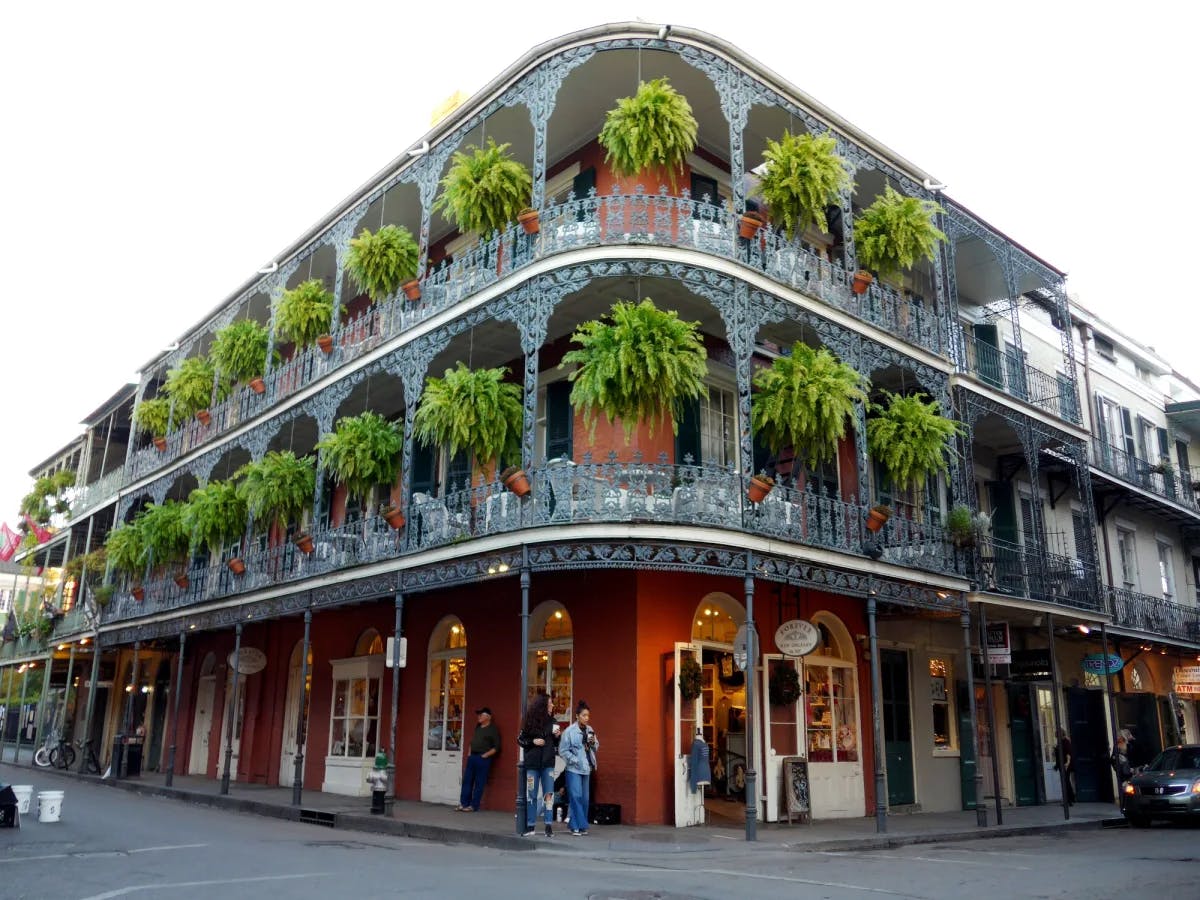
1154,615
1157,478
1008,568
1010,373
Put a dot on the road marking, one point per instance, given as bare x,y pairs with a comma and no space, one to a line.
790,879
91,854
167,847
932,859
121,892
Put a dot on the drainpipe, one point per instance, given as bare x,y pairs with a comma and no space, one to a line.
751,718
302,718
398,634
522,787
175,712
981,816
237,661
877,721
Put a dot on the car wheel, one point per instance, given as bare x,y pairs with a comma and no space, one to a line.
1139,821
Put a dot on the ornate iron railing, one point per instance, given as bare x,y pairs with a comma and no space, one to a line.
1154,614
1153,477
1010,373
99,491
1008,568
617,219
564,494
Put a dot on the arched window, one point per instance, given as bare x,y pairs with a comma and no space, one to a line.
551,657
1140,680
831,694
717,619
369,643
447,685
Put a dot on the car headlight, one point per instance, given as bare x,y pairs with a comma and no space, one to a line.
1130,790
1196,786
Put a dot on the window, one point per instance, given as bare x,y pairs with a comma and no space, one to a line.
551,658
354,713
555,421
941,696
831,695
447,685
1104,347
1166,570
718,427
1126,549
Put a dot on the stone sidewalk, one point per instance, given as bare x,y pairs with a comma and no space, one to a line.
497,828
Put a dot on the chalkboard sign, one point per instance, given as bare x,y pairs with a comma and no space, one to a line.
795,788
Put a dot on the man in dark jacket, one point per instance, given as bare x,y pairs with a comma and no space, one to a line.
485,743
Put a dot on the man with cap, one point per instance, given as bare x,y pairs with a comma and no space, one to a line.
485,743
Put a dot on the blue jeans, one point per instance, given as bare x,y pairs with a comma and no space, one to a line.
578,787
474,780
543,779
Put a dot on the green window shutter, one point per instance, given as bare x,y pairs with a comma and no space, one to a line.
987,355
581,187
458,472
687,441
560,418
424,470
704,187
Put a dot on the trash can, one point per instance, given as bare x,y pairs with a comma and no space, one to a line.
118,756
133,756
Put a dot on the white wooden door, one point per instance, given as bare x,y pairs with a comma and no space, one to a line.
291,720
783,735
202,726
687,716
237,727
441,762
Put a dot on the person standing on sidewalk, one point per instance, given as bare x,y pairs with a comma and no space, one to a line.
485,743
578,749
539,738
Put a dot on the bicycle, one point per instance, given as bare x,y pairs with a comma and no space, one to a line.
41,756
57,752
91,765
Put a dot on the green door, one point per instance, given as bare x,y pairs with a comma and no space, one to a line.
987,355
897,727
1020,717
966,746
1008,575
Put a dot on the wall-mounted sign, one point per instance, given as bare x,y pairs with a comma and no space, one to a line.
1094,663
1186,680
250,660
999,648
1030,665
797,637
741,643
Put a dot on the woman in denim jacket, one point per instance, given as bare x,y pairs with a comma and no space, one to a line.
578,748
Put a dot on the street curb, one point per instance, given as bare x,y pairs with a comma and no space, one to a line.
888,842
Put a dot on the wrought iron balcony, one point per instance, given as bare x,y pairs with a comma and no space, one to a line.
1156,478
97,493
565,494
617,219
1007,568
1154,615
1010,373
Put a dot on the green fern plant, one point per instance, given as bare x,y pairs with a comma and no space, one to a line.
126,549
804,401
379,263
895,231
239,350
47,498
910,438
278,488
638,364
304,313
474,410
654,128
190,385
362,452
152,416
163,530
804,175
484,189
215,516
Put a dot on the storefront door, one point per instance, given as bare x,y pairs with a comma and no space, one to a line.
1090,743
202,726
687,719
236,743
784,733
297,697
1051,780
897,727
1020,719
441,763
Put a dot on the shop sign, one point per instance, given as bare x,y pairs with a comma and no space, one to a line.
1094,664
741,642
999,649
250,660
1030,665
1186,679
797,637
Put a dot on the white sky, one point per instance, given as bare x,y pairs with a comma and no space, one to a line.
156,154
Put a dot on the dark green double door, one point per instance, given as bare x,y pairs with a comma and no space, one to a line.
896,704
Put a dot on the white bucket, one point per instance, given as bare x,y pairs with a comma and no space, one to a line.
23,792
49,805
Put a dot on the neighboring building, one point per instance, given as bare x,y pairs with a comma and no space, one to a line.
629,557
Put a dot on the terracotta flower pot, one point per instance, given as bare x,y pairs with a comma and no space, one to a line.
237,565
182,580
160,444
393,516
758,489
517,482
304,542
258,385
530,220
325,342
749,224
204,417
138,593
412,290
877,518
862,281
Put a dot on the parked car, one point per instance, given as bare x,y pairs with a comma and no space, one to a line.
1168,788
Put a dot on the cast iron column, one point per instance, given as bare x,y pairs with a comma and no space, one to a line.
175,709
877,722
1112,712
91,705
302,718
127,719
232,720
751,718
10,671
522,788
397,634
1062,767
981,816
62,726
21,715
991,710
43,717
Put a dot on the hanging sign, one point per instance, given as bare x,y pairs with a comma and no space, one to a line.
1186,679
250,660
1094,664
1030,665
999,649
797,637
741,642
396,655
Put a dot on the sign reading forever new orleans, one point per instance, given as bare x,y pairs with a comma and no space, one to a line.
250,660
797,637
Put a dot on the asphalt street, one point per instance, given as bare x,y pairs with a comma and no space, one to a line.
113,844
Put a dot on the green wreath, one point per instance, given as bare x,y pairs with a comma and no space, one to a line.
784,687
690,678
